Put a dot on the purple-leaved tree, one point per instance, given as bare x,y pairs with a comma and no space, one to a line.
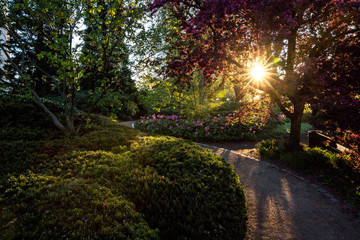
298,42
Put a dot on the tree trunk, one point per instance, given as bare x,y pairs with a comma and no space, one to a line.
238,93
70,123
295,129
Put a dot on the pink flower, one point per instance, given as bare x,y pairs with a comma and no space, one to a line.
146,122
170,127
188,128
281,116
142,121
195,133
207,128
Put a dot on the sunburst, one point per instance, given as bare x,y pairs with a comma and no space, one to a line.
257,71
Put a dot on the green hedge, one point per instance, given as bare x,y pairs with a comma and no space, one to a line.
110,183
48,207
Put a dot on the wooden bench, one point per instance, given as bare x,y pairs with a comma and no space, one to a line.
317,139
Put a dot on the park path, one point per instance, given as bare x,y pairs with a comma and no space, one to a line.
282,205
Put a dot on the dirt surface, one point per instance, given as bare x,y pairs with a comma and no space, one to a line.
127,124
282,205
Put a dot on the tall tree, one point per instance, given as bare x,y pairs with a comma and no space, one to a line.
290,38
59,22
34,42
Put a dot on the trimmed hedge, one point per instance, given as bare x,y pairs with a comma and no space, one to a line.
131,187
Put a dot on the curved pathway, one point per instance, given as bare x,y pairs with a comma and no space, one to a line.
282,205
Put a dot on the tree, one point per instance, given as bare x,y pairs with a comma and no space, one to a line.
33,44
114,23
59,23
291,39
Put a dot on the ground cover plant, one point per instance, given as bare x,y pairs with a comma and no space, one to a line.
113,182
339,171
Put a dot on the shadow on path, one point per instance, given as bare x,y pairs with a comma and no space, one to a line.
282,206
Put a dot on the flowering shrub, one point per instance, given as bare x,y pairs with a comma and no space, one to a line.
234,126
352,140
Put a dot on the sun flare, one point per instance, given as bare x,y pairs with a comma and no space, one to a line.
258,72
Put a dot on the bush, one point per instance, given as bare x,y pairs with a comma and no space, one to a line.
230,127
197,194
16,156
125,192
269,148
47,207
105,138
21,119
226,107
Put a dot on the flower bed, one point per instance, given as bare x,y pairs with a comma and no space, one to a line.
233,126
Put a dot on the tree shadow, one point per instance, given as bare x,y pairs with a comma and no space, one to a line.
281,206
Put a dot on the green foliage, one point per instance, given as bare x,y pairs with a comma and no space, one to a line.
49,207
118,104
22,120
16,156
197,193
194,100
109,183
281,130
47,59
225,107
105,138
269,148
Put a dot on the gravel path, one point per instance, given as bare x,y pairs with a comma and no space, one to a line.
282,205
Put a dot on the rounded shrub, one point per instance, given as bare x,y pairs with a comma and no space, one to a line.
197,194
48,207
134,188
